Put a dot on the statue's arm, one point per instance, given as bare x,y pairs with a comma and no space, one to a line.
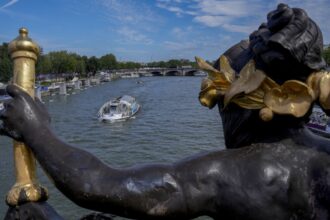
175,191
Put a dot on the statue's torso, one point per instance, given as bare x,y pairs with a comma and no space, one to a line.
274,181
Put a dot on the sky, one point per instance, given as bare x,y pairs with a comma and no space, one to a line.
145,30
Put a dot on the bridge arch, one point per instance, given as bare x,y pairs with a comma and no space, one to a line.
191,73
156,73
173,73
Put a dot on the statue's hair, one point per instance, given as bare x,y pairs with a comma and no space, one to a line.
289,37
286,48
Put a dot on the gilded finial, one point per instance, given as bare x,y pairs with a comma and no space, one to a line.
24,53
23,31
23,43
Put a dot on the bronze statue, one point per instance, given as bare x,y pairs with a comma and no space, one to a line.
265,89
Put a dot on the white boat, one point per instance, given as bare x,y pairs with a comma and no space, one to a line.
3,99
319,122
118,109
105,77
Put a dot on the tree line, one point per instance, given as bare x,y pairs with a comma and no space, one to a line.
6,67
59,62
326,55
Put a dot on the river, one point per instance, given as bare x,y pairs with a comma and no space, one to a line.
171,125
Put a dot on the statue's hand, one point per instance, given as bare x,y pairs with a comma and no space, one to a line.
22,116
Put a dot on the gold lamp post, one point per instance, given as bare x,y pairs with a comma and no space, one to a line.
24,54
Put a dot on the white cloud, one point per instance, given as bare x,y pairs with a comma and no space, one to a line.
198,43
244,16
229,8
178,11
175,7
134,36
177,31
132,20
128,12
182,32
9,4
207,48
224,22
212,20
233,16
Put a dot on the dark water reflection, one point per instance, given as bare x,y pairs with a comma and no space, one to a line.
171,125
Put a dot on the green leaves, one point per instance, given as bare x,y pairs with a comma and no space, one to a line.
326,55
6,71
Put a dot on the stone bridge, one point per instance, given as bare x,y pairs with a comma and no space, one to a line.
157,71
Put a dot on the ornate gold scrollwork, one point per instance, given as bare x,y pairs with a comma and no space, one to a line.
253,89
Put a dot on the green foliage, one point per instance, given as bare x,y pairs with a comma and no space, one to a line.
63,62
128,65
92,65
107,62
326,55
58,62
81,67
6,70
173,63
44,64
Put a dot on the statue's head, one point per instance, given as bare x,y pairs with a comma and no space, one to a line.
271,79
288,46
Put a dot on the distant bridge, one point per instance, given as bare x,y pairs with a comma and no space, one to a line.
157,71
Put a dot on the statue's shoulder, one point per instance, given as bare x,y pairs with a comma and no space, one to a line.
284,151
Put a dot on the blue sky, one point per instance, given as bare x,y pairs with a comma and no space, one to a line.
145,30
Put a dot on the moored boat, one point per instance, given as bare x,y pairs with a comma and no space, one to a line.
119,109
3,99
319,122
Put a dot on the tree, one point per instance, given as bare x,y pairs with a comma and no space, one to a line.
174,63
326,55
92,65
81,67
108,62
63,62
6,70
59,62
44,65
70,64
128,65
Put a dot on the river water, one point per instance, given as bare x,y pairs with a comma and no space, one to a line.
170,126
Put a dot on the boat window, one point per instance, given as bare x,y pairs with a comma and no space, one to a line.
128,99
122,108
112,108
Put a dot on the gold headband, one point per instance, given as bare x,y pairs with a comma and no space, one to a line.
253,89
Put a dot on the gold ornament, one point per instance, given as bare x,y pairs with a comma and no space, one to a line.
253,89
